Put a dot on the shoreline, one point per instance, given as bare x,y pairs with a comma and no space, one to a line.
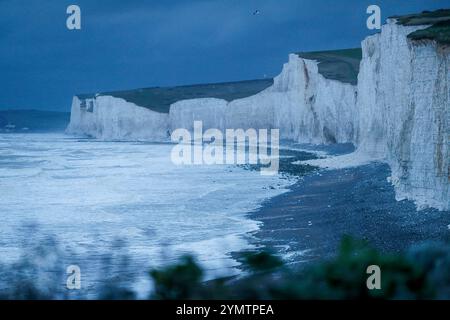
307,223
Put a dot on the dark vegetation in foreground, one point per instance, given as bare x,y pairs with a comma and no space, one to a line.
423,272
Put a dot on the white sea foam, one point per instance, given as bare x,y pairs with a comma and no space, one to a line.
88,193
349,160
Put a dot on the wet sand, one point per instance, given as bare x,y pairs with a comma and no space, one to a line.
308,222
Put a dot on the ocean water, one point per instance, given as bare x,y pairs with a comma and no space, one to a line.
90,195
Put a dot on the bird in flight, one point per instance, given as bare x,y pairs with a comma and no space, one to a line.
256,12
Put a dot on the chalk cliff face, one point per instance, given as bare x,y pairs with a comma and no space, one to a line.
110,118
301,103
403,102
210,111
399,112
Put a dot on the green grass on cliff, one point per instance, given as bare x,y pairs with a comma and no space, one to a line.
425,17
341,65
159,99
439,29
439,32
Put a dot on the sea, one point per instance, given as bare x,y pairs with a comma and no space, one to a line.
121,208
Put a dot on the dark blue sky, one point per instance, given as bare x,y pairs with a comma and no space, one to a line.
132,44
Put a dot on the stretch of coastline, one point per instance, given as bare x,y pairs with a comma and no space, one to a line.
308,222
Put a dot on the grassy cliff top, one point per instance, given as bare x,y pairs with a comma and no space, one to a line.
439,32
341,65
439,29
425,17
159,99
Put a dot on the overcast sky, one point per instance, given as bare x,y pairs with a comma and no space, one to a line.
133,44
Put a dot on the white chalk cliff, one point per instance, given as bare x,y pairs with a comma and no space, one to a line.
404,112
399,112
110,118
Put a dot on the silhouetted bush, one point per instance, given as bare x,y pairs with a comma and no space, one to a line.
423,272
